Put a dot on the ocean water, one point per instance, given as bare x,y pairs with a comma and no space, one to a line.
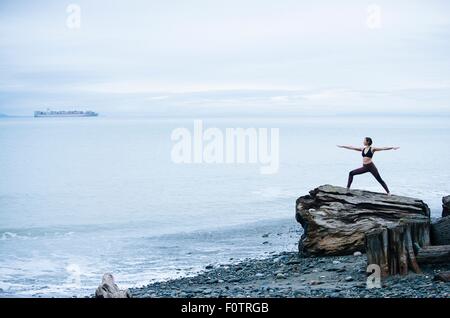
83,196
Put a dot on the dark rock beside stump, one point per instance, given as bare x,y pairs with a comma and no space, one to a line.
440,231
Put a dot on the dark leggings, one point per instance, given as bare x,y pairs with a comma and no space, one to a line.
370,167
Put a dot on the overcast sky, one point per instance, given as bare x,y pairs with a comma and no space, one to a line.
226,57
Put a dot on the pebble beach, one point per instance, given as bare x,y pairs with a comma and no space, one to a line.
290,275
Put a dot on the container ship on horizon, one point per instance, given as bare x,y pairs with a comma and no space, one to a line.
64,113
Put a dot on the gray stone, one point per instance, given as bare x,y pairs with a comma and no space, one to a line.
109,289
280,276
348,279
315,282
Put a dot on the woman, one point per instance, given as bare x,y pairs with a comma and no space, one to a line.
368,166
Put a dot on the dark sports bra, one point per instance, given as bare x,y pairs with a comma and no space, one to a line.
368,154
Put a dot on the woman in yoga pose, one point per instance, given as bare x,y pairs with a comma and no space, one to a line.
368,166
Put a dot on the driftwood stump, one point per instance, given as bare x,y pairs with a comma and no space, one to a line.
335,220
394,248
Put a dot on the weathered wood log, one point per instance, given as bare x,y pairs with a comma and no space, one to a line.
109,289
434,254
443,276
377,249
335,220
416,234
446,206
440,231
393,248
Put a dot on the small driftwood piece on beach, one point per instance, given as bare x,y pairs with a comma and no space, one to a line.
109,289
394,248
443,276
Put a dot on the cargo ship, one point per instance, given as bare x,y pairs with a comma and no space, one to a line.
64,113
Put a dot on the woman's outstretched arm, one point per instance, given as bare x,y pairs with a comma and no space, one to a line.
350,147
385,148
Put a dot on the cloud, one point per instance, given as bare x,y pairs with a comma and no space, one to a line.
288,54
280,98
159,97
332,95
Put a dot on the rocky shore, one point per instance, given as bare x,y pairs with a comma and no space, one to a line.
291,275
342,229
